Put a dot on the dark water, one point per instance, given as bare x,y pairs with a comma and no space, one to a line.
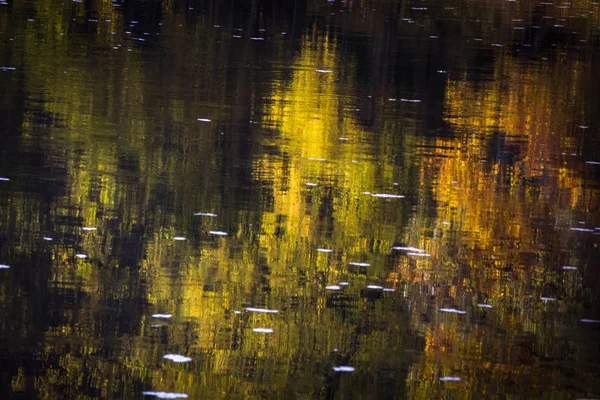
298,126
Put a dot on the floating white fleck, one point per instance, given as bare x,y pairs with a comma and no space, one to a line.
359,264
590,321
49,239
311,184
450,378
387,196
433,37
593,162
583,126
418,254
236,36
343,138
237,312
89,228
419,8
332,287
178,358
412,249
410,100
375,287
262,330
452,310
497,45
4,179
263,310
392,99
325,250
324,71
204,119
257,38
582,229
166,395
205,214
4,266
547,299
366,193
162,315
156,325
569,267
344,283
388,290
445,223
218,233
343,368
484,305
81,255
316,159
179,238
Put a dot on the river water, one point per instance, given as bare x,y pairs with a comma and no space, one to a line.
299,199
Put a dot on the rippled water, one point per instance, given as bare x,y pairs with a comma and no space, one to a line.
301,199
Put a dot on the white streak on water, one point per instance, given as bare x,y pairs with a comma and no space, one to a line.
166,395
410,100
547,299
263,310
81,255
593,162
179,238
450,378
4,266
178,358
388,290
344,283
343,368
4,179
49,239
324,71
317,159
582,229
203,214
590,321
387,196
218,233
568,267
311,184
262,330
89,228
204,119
374,287
325,250
418,254
452,310
162,315
332,287
484,305
360,264
411,249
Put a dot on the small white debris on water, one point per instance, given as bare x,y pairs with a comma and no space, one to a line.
445,223
590,321
156,325
593,162
179,238
325,250
484,305
4,266
582,229
343,368
204,120
317,159
162,315
343,138
419,254
374,287
344,283
311,184
452,310
410,100
450,378
569,267
360,264
178,358
547,299
324,71
237,312
411,249
387,196
262,330
81,255
388,290
204,214
257,38
166,395
332,287
49,239
218,233
89,228
262,310
4,179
